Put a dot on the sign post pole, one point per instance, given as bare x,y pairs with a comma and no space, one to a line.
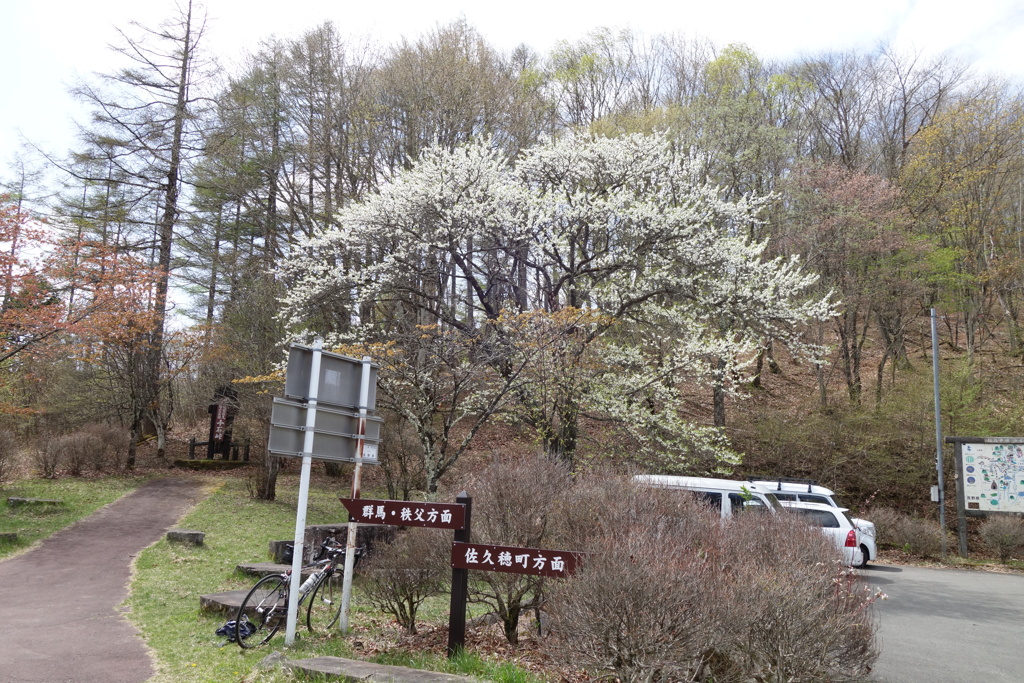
460,587
350,546
938,435
300,514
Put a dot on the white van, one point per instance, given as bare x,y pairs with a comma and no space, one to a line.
727,496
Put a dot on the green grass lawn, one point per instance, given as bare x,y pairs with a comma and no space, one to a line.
170,578
81,498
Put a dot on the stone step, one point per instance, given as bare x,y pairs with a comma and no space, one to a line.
228,601
186,536
33,502
337,668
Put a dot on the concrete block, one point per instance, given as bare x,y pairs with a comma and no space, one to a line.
187,536
34,502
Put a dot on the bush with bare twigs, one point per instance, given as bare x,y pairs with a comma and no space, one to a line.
515,503
670,593
1003,535
407,571
8,453
108,446
99,447
913,535
804,615
644,606
49,454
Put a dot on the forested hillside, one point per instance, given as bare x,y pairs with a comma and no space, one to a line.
652,251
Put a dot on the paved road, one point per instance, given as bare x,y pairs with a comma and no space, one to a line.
949,626
59,618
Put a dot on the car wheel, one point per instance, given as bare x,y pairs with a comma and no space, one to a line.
863,557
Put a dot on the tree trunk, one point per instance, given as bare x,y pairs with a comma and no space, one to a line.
165,230
719,393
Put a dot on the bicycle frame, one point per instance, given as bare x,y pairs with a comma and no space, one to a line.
270,608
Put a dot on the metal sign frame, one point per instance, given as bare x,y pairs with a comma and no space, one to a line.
336,434
339,381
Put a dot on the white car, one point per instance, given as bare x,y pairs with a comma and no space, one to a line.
835,523
806,491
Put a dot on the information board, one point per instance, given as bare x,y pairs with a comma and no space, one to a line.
993,476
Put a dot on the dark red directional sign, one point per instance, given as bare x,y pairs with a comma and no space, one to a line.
500,558
406,513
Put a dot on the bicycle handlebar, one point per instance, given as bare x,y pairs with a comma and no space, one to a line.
328,545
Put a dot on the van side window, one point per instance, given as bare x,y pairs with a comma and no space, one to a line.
741,503
812,498
710,498
784,496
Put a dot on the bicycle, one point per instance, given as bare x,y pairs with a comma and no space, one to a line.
265,609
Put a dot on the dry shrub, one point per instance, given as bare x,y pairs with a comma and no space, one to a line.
804,616
8,453
670,593
516,501
644,606
402,574
919,537
101,447
49,454
107,446
1003,535
76,453
887,522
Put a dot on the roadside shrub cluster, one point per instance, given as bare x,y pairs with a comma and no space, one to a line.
400,575
913,535
49,455
517,501
669,593
97,447
1003,535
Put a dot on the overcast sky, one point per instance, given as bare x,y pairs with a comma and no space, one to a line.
45,46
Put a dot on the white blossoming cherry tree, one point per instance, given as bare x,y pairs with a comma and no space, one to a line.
586,277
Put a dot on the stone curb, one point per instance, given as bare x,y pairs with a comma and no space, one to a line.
337,668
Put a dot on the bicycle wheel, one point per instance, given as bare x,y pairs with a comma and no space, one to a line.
264,609
324,605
